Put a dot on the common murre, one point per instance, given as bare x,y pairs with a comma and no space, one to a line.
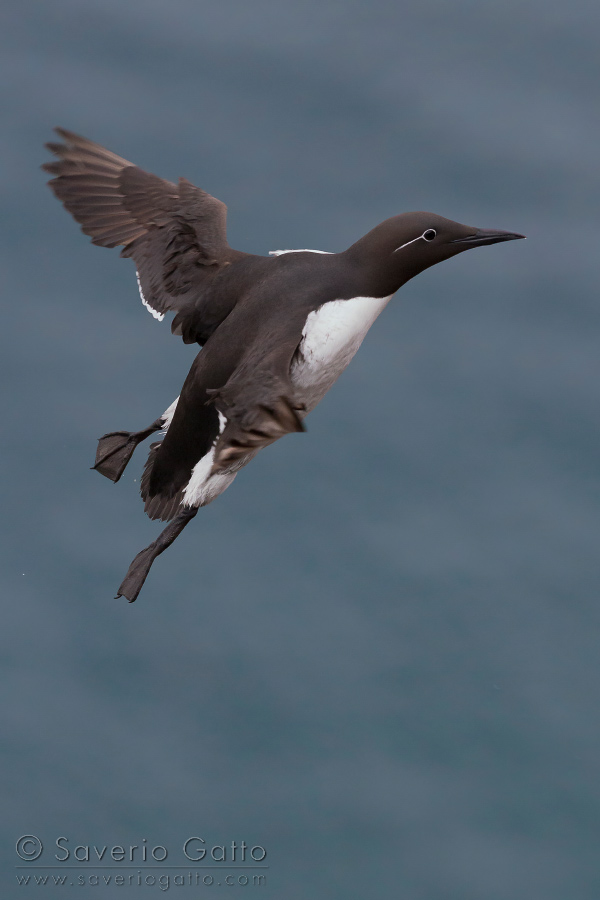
276,331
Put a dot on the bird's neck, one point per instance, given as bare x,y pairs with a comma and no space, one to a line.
378,272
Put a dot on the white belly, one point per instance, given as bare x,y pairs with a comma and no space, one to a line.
330,338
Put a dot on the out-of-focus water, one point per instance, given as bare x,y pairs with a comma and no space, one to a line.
377,654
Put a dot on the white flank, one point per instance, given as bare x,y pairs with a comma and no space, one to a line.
330,338
157,315
280,252
202,486
167,416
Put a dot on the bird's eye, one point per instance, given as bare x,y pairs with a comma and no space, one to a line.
429,234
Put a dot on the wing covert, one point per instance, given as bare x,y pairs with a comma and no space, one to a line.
260,407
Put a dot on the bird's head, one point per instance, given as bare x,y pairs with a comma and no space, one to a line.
401,247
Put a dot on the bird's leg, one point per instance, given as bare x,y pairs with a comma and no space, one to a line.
139,568
115,449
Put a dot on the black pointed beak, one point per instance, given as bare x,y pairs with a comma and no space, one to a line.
487,236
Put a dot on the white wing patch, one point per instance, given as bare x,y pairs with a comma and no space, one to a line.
157,315
280,252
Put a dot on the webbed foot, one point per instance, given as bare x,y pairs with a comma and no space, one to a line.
115,449
139,568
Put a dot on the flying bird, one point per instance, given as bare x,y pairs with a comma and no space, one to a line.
276,331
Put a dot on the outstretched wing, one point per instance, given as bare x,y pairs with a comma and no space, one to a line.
176,234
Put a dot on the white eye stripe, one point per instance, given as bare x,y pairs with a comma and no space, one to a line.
407,243
421,236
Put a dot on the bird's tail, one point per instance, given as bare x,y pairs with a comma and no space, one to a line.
162,505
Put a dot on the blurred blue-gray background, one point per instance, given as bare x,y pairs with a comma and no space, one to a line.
377,654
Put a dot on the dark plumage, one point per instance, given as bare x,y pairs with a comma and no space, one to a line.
276,332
